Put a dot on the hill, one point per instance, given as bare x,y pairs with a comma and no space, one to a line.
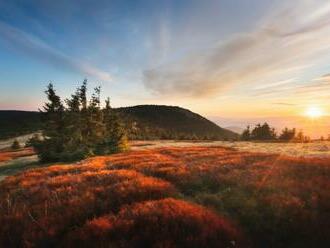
14,123
141,122
168,122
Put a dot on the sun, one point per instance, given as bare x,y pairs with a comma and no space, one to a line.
314,112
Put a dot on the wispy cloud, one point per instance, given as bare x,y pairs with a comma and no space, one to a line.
317,89
276,84
34,47
279,46
323,78
284,104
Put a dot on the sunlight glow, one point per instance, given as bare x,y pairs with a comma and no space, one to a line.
314,112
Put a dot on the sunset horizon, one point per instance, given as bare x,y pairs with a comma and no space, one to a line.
268,61
164,123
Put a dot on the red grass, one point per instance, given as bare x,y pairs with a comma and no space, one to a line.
161,223
47,207
119,200
6,155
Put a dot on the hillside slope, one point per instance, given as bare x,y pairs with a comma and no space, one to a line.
142,122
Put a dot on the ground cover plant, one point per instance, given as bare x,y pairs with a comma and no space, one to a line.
9,154
170,197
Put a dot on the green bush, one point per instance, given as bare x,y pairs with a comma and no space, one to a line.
78,129
16,145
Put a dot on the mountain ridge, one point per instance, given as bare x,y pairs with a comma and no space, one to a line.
140,121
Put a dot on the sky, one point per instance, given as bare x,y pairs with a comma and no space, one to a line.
234,61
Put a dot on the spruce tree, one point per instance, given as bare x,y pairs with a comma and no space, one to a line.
95,124
51,145
287,134
114,138
74,145
246,134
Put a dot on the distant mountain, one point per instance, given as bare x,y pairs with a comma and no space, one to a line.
141,122
168,122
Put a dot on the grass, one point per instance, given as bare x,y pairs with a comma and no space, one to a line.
312,149
14,161
9,154
170,197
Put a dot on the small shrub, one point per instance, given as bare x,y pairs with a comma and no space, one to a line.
16,145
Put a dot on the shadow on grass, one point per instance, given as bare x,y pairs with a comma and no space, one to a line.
20,164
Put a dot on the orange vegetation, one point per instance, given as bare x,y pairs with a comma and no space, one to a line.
128,200
6,155
160,223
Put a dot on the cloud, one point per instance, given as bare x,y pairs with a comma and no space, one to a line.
25,43
323,78
278,47
317,87
275,84
284,104
316,90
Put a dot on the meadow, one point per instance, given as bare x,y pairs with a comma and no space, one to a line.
196,196
165,124
294,149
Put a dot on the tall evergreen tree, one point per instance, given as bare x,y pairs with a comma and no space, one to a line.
51,145
95,124
263,132
287,134
114,137
53,112
74,146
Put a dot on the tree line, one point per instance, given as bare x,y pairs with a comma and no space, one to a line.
78,127
265,132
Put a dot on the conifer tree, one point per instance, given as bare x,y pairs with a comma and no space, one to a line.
53,114
263,132
74,146
51,145
246,134
95,124
79,129
287,134
114,137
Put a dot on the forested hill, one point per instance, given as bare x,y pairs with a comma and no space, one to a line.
14,123
142,122
168,122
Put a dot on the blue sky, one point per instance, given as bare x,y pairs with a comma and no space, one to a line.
228,58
